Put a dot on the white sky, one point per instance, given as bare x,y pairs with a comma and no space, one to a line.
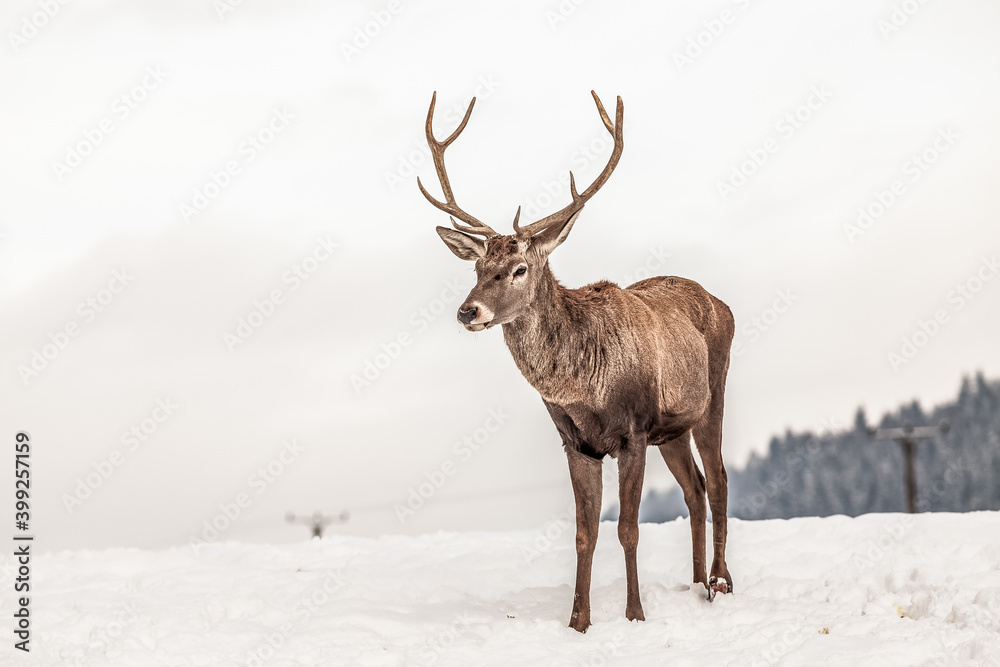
342,126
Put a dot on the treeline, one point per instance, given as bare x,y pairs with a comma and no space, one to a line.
808,474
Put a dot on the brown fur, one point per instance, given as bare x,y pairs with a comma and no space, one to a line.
618,369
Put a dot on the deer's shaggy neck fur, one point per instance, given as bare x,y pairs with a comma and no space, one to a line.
567,343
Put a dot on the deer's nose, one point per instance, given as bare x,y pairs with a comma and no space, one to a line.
466,315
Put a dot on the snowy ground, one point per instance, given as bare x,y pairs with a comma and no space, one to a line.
884,589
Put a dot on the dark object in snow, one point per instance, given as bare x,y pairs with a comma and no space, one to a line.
318,522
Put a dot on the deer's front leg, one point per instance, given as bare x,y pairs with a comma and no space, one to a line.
585,471
631,467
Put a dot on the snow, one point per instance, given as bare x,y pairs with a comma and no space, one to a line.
880,589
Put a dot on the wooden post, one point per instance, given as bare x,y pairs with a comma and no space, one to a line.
909,447
907,438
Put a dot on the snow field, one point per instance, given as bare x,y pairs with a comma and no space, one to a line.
885,589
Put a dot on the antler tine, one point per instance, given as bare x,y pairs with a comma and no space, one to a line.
604,114
579,199
484,230
437,153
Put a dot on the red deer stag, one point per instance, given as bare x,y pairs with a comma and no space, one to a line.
618,369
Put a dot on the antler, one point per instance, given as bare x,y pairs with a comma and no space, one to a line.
437,152
580,199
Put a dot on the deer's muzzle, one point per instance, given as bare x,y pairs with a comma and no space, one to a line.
474,316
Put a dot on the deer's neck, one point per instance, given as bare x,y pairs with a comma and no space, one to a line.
549,341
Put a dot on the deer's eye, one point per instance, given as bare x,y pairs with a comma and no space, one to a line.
520,271
497,277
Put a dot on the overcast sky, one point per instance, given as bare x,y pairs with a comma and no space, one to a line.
222,292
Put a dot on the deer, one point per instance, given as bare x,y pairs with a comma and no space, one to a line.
618,369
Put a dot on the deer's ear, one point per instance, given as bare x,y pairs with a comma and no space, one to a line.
463,245
552,237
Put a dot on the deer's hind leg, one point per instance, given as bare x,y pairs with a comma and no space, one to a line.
708,440
679,458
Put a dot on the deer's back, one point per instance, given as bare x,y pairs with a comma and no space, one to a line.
673,297
669,293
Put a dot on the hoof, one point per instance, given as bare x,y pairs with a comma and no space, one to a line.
579,624
635,615
718,585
